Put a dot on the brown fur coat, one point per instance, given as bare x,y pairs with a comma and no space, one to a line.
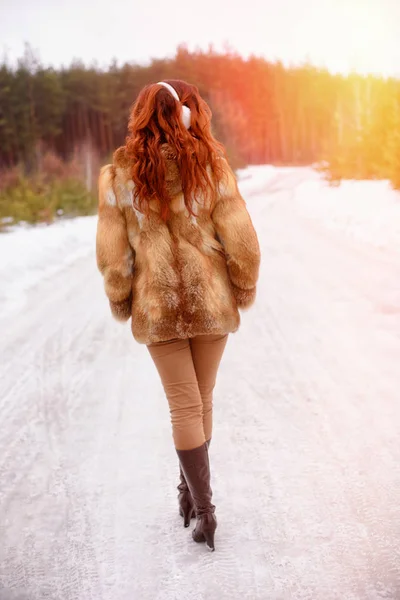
182,278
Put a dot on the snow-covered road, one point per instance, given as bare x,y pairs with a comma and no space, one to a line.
306,450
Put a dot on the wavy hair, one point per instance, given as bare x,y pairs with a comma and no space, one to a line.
155,120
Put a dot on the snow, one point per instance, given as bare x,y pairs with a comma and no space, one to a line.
254,179
30,254
367,211
305,454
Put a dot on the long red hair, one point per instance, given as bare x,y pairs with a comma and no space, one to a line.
156,120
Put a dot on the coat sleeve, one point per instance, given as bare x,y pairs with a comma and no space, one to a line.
236,232
113,251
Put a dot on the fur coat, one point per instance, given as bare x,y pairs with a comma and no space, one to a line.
181,278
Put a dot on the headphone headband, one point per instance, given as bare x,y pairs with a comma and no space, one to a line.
170,89
186,114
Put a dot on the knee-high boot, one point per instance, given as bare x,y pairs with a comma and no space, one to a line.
187,509
196,469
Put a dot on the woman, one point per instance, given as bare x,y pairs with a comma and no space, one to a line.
179,256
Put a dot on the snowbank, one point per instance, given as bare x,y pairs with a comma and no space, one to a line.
30,254
368,211
255,179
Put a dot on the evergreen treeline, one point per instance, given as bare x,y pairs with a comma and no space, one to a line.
263,112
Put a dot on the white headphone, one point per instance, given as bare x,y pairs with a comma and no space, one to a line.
186,112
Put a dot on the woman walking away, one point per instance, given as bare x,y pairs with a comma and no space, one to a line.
179,256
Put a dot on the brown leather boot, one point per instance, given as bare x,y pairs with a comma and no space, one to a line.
196,468
187,509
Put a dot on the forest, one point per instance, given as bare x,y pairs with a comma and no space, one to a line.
58,125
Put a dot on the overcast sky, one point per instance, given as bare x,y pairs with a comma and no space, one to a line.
340,34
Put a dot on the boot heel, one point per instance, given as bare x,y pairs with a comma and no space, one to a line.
186,507
188,517
209,536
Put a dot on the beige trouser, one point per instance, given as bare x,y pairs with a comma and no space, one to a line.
188,370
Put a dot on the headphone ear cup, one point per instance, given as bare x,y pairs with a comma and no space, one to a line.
186,116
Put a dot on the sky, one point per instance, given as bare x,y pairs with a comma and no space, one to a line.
342,35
